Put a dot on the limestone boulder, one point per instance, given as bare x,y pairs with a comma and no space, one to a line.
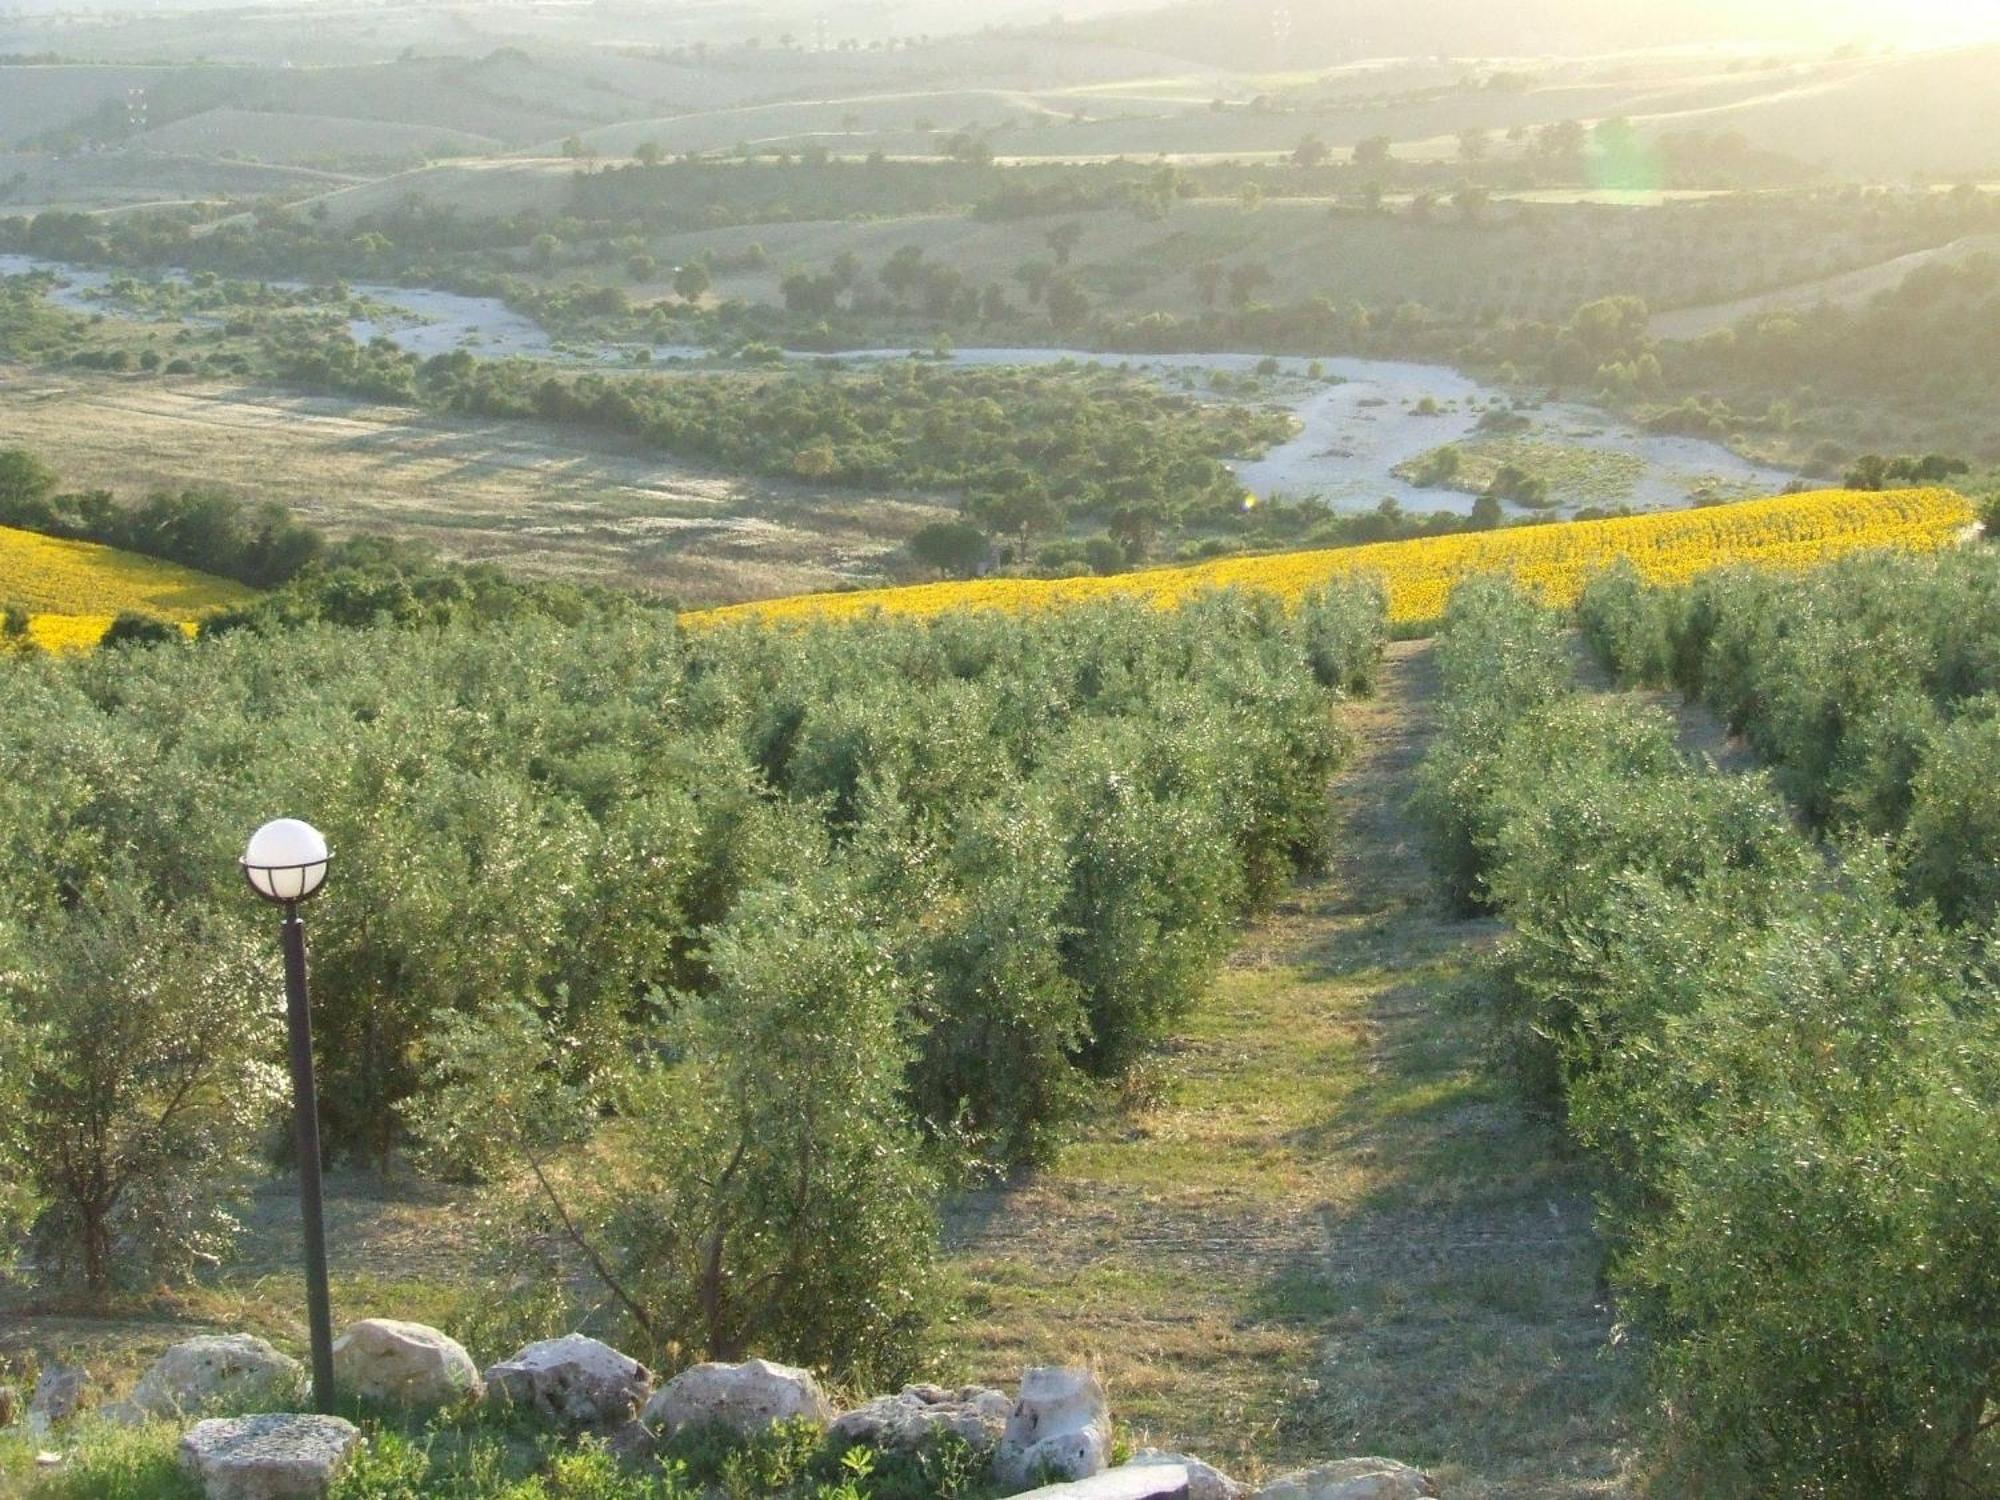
1060,1429
1352,1479
919,1414
1205,1481
574,1382
402,1364
60,1393
274,1456
222,1373
746,1398
1126,1482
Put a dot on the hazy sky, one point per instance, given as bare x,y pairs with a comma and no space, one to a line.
1922,22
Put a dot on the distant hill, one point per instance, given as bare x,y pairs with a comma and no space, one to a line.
1284,34
1932,113
259,135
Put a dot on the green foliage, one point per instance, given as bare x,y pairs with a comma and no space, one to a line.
146,1088
120,1463
885,898
788,1461
769,1193
131,629
1787,1074
1953,832
1867,687
951,547
1345,629
1099,439
18,1197
1499,661
208,529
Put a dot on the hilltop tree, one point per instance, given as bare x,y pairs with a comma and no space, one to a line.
1035,276
1474,145
1248,279
1312,152
1063,240
25,486
1372,154
650,154
970,149
1069,308
692,281
903,271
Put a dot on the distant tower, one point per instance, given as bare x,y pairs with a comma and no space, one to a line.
135,111
819,35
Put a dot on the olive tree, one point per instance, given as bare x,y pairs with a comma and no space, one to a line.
156,1067
749,1183
774,1198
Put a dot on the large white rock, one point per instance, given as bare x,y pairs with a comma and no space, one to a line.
275,1456
919,1413
748,1398
1126,1482
1060,1429
1205,1481
1352,1479
215,1373
404,1364
574,1381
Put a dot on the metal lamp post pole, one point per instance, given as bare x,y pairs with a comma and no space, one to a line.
305,1105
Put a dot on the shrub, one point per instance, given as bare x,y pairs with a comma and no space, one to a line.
146,1090
773,1197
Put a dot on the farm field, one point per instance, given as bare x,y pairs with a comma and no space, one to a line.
1555,561
72,590
972,738
548,502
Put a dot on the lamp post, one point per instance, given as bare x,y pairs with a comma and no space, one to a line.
286,864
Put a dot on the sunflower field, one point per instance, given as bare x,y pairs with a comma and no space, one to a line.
1554,561
72,591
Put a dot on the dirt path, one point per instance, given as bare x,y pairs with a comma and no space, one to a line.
1325,1228
1696,728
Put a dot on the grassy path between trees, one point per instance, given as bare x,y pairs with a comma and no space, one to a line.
1325,1227
1321,1226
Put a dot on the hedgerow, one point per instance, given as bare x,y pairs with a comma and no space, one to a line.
1785,1072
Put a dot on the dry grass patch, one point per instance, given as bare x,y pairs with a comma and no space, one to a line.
546,501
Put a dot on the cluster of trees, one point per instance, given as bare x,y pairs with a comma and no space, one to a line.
779,929
1786,1070
1902,368
210,529
1028,448
1869,687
